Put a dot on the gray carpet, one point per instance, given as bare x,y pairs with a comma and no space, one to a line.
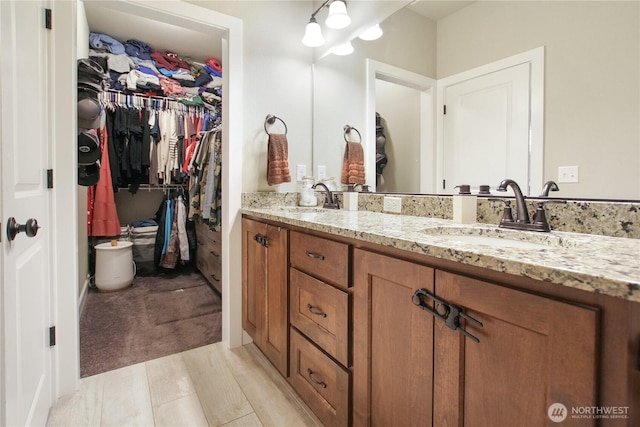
155,317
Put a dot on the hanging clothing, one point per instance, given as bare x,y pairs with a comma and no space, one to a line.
105,216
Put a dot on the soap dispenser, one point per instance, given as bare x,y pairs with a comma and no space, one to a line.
465,206
350,198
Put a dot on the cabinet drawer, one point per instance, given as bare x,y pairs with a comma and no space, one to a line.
211,269
322,383
321,312
322,258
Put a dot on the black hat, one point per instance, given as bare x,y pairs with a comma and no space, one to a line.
88,147
88,175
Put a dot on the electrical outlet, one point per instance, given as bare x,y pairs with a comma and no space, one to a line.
301,172
393,204
567,174
322,172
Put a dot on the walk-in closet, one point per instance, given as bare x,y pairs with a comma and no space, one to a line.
151,165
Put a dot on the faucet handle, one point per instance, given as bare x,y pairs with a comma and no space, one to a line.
507,215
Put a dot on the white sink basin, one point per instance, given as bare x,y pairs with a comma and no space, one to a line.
497,237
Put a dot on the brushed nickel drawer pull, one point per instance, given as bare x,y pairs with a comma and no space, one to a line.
315,381
315,311
312,255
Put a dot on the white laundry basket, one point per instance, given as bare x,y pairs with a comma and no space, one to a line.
115,268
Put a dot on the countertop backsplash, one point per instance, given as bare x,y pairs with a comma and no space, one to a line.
604,218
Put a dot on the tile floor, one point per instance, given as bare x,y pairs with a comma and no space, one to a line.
206,386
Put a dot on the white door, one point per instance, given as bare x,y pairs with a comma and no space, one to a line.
486,129
26,289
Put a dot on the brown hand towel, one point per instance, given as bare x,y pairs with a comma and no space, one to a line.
277,159
353,164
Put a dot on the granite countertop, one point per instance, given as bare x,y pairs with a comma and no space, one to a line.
607,265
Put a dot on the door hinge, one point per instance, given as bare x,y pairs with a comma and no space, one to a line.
444,109
52,336
49,178
47,19
444,184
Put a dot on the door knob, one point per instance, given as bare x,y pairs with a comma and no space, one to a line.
30,228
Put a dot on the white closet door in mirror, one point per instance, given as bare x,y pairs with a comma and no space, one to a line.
486,129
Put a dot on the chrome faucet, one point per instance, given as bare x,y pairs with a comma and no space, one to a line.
330,201
548,186
522,221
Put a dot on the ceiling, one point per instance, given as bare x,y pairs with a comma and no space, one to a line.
437,9
104,18
160,36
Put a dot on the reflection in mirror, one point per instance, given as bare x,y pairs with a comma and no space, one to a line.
591,85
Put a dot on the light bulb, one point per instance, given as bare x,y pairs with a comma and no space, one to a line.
372,33
313,34
338,17
343,49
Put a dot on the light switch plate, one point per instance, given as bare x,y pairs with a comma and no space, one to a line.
322,172
301,172
567,174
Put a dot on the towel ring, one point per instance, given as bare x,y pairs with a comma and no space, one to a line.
271,119
348,129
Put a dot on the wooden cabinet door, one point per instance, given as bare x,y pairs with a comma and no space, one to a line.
265,290
393,343
254,278
533,352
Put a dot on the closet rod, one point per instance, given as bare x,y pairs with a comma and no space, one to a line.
139,100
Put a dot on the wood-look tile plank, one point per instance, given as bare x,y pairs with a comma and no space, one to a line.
220,395
82,408
250,420
272,398
126,400
168,379
185,411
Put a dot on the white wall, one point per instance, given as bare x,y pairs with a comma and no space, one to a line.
277,80
592,88
399,108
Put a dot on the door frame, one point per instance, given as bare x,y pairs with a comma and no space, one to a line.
65,201
427,86
535,59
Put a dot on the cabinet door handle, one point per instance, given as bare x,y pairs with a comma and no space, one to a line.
315,256
315,381
262,239
449,313
315,311
215,254
215,278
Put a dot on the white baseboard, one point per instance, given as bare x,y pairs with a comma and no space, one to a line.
83,295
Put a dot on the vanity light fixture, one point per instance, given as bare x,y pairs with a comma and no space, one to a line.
338,18
372,33
343,49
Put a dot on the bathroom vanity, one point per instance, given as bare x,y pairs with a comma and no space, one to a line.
383,319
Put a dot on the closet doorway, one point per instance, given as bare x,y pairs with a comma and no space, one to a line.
218,36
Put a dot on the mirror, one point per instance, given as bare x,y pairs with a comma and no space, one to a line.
591,88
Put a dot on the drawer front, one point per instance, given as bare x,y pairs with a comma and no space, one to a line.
211,269
322,258
321,312
322,383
